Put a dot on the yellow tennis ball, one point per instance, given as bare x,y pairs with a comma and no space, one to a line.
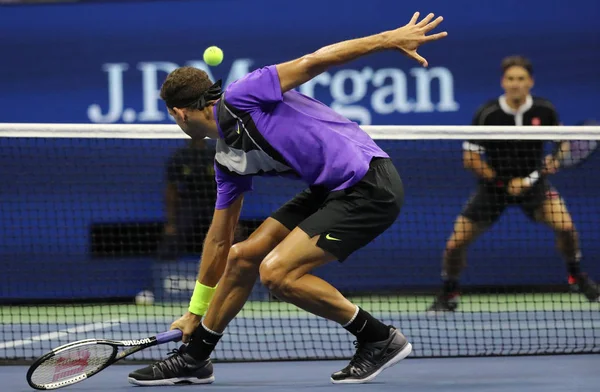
213,56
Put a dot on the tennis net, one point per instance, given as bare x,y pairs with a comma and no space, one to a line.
83,231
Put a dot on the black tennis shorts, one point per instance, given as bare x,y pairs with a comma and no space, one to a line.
488,202
349,219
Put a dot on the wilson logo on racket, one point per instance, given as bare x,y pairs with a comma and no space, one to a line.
136,342
71,365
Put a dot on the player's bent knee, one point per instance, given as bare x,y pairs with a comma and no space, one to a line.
282,288
269,275
239,266
273,276
567,230
455,246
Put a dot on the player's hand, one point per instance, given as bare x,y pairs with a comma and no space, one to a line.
187,324
551,165
409,37
516,186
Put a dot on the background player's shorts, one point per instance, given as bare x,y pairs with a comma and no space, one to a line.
488,202
348,219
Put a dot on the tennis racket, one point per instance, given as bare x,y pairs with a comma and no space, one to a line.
77,361
577,153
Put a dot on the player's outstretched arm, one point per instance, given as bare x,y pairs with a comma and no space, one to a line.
406,39
214,259
218,242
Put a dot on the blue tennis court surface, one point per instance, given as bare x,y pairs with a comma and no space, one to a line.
274,332
571,373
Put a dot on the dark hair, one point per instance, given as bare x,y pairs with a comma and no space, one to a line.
184,86
517,61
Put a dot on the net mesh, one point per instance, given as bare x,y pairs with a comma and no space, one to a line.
95,217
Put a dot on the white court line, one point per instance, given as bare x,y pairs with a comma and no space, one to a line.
62,333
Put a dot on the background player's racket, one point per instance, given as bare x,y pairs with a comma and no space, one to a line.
577,153
74,362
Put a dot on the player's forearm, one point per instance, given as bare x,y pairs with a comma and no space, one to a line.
214,259
297,72
212,266
345,51
475,163
563,149
218,242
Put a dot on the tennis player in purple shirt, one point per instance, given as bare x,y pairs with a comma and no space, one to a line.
264,127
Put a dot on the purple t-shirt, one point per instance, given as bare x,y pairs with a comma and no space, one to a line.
265,132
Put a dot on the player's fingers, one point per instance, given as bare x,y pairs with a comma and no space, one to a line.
434,24
175,325
414,18
426,20
435,37
419,58
185,338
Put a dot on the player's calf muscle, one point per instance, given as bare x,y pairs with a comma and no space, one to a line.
454,263
567,242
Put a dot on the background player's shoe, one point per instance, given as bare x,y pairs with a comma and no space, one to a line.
445,302
583,284
371,359
178,369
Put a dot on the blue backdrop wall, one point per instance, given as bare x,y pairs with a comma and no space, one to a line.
104,62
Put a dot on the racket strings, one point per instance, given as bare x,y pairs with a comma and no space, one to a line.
72,363
578,151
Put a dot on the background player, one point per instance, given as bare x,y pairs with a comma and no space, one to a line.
504,180
190,197
263,126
